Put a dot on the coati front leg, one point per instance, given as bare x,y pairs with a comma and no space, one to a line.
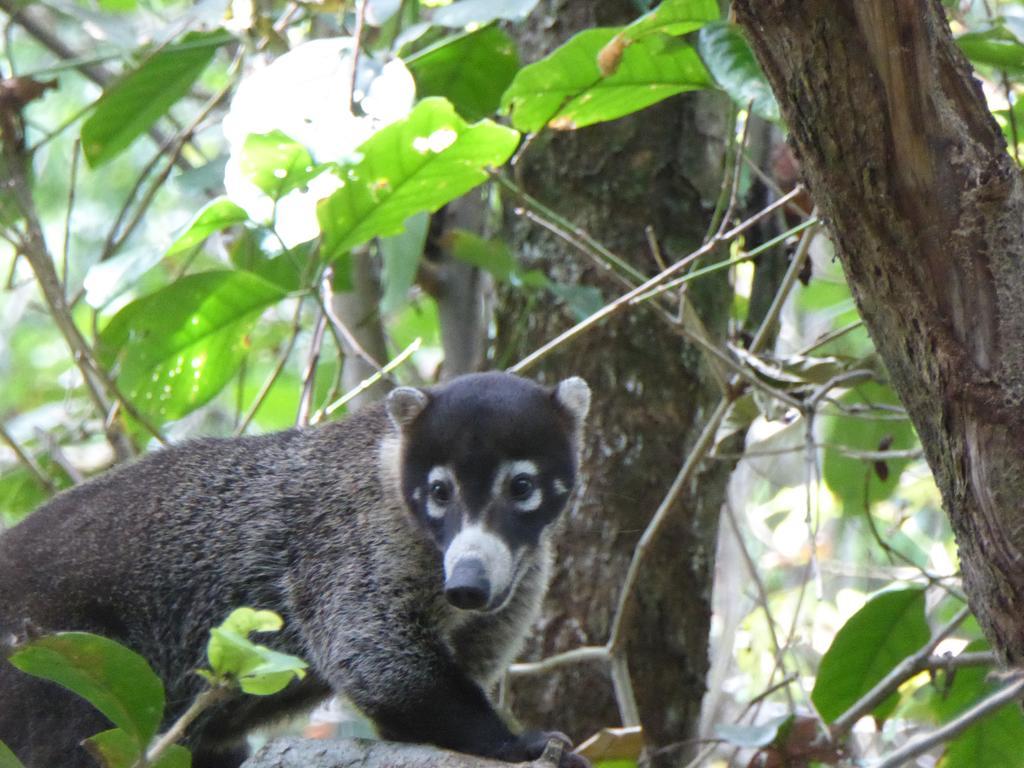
389,663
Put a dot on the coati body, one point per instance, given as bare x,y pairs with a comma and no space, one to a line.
406,547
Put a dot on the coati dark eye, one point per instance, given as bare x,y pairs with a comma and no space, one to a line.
440,491
521,486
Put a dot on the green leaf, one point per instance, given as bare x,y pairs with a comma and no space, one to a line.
130,106
173,350
257,669
728,56
417,164
117,6
216,216
492,256
995,47
8,759
567,90
470,70
20,493
854,480
480,12
400,255
992,742
673,17
889,627
114,679
114,748
276,163
582,300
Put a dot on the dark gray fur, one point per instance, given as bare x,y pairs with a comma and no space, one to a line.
309,523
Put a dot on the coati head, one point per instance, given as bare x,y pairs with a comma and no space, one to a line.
488,461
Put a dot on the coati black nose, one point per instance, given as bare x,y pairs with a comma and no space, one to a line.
468,587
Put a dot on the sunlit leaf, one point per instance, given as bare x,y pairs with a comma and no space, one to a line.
276,163
417,164
470,70
216,216
133,103
673,17
731,62
752,736
887,629
257,669
175,349
114,679
567,90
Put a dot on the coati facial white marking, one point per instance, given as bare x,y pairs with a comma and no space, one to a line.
520,481
440,491
560,488
479,560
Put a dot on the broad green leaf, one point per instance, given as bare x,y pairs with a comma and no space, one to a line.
479,12
566,90
276,163
257,669
216,216
414,165
996,47
116,749
850,478
673,17
994,741
400,255
114,679
471,70
8,759
173,350
491,256
731,62
134,102
889,627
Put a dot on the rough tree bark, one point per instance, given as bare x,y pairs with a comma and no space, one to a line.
651,397
926,209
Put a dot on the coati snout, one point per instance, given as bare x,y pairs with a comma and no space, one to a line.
407,548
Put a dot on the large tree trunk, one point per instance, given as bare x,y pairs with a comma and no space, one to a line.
926,210
651,398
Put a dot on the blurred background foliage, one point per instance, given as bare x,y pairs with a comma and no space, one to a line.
206,175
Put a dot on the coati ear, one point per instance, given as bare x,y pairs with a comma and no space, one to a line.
573,395
404,404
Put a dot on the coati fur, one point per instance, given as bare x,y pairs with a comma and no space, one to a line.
407,548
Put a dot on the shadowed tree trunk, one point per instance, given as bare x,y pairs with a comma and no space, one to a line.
651,396
926,210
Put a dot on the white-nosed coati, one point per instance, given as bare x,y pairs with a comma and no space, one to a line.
407,548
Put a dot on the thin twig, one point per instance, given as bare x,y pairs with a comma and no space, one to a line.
282,360
309,375
368,382
357,41
575,656
345,335
796,266
27,461
1011,691
200,704
72,184
624,300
